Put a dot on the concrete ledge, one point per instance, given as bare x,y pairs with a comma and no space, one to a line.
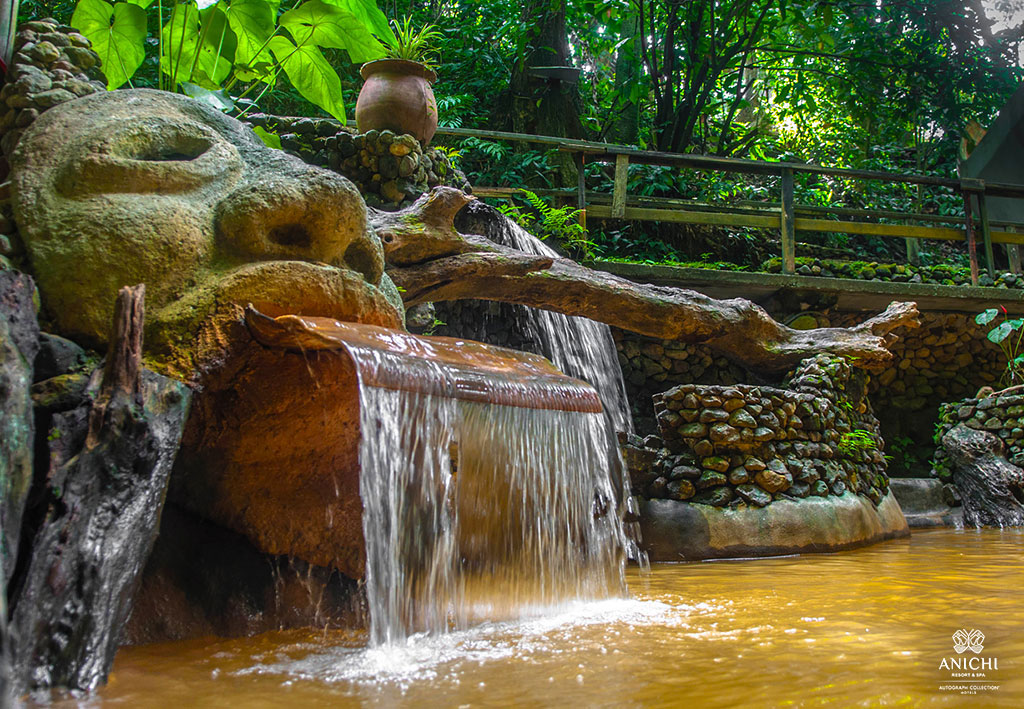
853,294
922,503
680,531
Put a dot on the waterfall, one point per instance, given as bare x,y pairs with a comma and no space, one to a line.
481,511
578,346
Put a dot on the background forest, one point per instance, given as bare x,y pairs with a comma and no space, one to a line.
882,84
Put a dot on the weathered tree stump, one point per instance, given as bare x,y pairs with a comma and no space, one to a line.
992,489
430,260
98,514
19,342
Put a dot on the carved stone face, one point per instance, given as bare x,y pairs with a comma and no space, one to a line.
141,186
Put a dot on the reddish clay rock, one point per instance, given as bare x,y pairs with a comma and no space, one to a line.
271,451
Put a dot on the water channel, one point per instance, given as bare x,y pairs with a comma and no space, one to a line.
869,627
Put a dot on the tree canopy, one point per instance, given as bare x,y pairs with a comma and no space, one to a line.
879,84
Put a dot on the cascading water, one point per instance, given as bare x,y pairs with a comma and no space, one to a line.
578,346
476,510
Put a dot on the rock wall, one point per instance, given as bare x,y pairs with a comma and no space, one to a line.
1001,414
650,366
751,445
390,170
947,358
52,64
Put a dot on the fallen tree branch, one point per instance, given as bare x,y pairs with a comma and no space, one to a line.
450,266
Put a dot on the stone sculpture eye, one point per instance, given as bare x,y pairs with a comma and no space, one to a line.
151,156
179,148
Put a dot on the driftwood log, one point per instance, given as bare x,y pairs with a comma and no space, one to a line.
96,515
429,259
991,488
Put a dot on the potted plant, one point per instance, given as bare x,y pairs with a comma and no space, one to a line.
396,94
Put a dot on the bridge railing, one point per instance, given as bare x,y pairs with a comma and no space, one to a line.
783,215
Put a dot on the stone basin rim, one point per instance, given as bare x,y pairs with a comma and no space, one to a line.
475,372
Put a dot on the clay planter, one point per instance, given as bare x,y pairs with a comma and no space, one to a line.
397,96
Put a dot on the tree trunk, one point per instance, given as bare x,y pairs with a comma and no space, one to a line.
626,125
432,261
100,508
992,489
542,105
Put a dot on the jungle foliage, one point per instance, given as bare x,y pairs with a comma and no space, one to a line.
886,85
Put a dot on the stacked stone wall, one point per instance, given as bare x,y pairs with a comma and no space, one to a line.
650,366
1000,414
749,445
52,63
946,359
940,274
390,170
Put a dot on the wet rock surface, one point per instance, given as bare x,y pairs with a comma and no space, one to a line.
750,445
19,343
202,579
270,451
990,488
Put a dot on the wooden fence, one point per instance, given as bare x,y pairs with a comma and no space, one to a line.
784,215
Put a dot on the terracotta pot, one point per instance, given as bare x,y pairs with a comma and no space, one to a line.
397,96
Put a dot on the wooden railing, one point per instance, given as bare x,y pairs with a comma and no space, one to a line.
784,215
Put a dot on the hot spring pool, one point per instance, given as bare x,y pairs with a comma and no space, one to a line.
860,628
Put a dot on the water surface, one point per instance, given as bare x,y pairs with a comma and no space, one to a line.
861,628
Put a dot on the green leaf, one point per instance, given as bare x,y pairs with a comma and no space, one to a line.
218,99
218,45
117,33
1000,333
986,316
197,46
367,12
180,38
141,3
311,75
272,140
317,23
1016,323
252,21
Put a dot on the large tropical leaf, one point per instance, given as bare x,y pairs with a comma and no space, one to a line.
180,38
367,12
311,75
252,21
217,99
117,33
318,23
198,45
217,46
1000,332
